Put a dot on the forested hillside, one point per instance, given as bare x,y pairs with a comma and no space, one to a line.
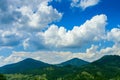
106,68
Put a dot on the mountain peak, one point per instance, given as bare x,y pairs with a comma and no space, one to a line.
24,65
75,62
29,59
75,59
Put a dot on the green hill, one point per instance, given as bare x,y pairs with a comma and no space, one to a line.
23,66
106,68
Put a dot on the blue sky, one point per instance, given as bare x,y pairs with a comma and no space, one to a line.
79,16
57,30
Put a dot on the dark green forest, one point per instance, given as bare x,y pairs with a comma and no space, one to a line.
106,68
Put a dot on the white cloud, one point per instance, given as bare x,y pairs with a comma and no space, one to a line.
59,37
41,17
89,54
9,38
92,30
54,57
84,3
2,59
25,43
19,19
23,14
114,35
37,15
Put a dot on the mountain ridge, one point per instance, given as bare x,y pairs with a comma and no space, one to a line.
74,62
24,65
30,64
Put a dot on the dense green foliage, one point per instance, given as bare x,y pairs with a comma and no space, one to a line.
25,77
2,77
106,68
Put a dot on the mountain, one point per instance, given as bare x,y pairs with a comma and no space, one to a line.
30,65
111,60
22,66
74,62
106,68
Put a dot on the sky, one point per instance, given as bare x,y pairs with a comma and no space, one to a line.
54,31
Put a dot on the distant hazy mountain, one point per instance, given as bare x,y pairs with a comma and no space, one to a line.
22,66
74,62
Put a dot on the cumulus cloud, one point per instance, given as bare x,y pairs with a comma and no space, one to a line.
56,37
84,3
40,18
21,16
114,35
59,37
20,20
55,57
35,15
33,42
9,38
91,30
